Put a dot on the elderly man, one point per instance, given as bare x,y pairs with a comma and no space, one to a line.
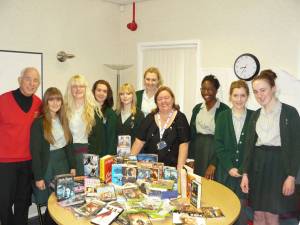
18,108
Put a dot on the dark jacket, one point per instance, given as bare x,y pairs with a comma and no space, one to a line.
40,150
290,140
139,98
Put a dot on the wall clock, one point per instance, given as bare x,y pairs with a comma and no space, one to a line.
246,66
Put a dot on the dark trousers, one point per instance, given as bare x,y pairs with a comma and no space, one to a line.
15,190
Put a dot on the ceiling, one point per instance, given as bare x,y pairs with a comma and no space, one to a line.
123,2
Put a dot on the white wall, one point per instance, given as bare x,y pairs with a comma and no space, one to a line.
226,28
87,28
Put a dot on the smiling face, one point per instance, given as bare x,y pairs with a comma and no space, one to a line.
263,92
54,104
29,81
239,98
208,91
151,81
78,91
101,93
126,98
164,101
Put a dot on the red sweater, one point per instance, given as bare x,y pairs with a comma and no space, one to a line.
15,127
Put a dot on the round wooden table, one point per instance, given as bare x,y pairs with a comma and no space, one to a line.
213,194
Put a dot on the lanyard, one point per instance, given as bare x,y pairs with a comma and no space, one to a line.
162,129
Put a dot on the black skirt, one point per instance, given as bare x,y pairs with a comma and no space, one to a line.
266,181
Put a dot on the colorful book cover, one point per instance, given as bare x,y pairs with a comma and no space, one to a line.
106,193
129,174
91,165
91,185
162,185
117,174
124,146
132,193
106,163
144,174
160,167
147,157
75,200
139,219
171,173
196,194
212,212
107,215
187,219
90,208
64,187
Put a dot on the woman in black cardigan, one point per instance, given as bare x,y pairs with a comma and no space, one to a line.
272,154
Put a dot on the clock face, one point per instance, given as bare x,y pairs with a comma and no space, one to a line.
246,66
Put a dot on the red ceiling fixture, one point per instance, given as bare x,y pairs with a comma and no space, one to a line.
133,25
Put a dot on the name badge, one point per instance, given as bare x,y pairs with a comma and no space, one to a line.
161,145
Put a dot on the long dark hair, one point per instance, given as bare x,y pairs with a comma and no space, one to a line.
109,101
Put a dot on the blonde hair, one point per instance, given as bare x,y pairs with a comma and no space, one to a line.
157,72
239,84
130,89
61,114
88,114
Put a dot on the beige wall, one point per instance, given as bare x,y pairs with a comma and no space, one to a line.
87,28
226,28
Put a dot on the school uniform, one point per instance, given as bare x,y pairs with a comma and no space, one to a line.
272,153
144,103
131,124
202,136
102,140
49,160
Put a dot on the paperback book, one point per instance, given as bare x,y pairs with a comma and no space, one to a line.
106,193
91,185
90,208
124,145
64,187
196,194
106,163
91,165
147,157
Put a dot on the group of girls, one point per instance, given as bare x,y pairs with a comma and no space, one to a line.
255,152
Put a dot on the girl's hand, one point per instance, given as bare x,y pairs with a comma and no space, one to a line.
288,186
245,184
73,172
40,184
210,172
234,172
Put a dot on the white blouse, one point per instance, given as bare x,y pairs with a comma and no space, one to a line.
238,123
77,127
205,120
148,104
58,135
267,126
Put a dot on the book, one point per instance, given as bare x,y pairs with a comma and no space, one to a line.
106,193
75,200
196,194
212,212
64,186
117,174
90,208
91,185
159,166
147,157
91,165
162,185
171,173
106,163
187,219
124,146
107,215
139,219
132,193
129,174
144,174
